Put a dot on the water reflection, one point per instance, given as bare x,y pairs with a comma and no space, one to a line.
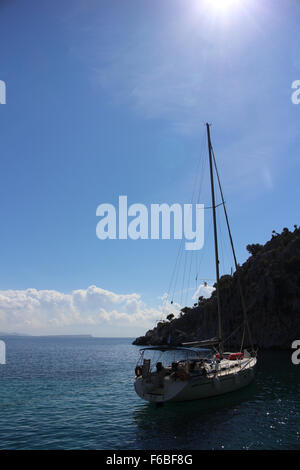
263,415
188,425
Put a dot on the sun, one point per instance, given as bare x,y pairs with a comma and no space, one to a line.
223,4
220,8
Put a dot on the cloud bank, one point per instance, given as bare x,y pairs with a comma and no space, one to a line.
94,310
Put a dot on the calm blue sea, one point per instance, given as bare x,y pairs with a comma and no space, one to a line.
77,393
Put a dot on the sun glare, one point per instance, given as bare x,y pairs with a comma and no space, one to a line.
223,4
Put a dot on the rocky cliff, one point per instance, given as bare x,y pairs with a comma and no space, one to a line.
271,285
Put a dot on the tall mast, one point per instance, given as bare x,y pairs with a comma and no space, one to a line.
234,255
215,233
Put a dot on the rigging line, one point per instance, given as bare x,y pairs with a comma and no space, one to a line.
233,251
201,159
221,204
202,173
204,251
240,326
189,287
243,337
183,280
224,248
249,316
233,332
221,243
202,177
225,257
174,269
177,270
175,273
224,251
179,254
189,278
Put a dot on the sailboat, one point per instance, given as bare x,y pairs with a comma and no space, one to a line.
199,369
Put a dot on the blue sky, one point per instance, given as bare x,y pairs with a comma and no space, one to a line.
110,98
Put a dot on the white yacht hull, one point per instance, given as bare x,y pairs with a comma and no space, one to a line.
195,388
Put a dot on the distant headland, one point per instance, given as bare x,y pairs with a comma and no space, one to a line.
23,335
271,284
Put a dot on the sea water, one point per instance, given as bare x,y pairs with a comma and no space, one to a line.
78,393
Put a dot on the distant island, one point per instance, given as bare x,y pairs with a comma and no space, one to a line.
66,336
21,335
271,284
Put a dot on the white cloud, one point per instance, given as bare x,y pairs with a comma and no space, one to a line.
204,291
94,309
